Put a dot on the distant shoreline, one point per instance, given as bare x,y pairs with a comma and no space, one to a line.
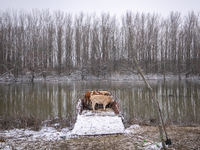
77,77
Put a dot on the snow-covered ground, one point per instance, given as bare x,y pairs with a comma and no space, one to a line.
89,123
46,134
20,138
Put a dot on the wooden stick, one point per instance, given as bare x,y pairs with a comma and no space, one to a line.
150,90
154,101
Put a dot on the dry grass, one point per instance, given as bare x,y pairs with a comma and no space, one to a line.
20,121
23,121
183,138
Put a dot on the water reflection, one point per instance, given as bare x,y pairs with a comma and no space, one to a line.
179,101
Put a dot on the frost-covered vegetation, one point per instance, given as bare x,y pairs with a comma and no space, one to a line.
41,44
135,137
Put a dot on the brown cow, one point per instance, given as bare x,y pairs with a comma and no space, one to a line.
90,93
101,99
105,93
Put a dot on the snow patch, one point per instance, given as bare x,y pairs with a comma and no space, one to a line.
157,146
134,126
20,138
132,129
45,134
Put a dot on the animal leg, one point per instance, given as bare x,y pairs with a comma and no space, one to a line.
104,107
93,106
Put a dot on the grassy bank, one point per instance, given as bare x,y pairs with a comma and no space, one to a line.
23,121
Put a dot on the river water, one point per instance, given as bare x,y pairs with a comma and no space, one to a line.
179,100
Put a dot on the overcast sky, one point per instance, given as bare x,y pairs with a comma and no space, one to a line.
118,7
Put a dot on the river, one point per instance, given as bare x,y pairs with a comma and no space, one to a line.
179,100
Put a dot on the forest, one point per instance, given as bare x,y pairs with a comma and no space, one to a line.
44,43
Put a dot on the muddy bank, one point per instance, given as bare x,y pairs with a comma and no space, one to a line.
135,137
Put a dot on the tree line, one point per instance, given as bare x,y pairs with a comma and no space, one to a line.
45,43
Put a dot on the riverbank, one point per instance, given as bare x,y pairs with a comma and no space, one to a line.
134,137
77,77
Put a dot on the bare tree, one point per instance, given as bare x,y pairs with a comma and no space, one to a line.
95,48
78,37
69,31
59,16
41,42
